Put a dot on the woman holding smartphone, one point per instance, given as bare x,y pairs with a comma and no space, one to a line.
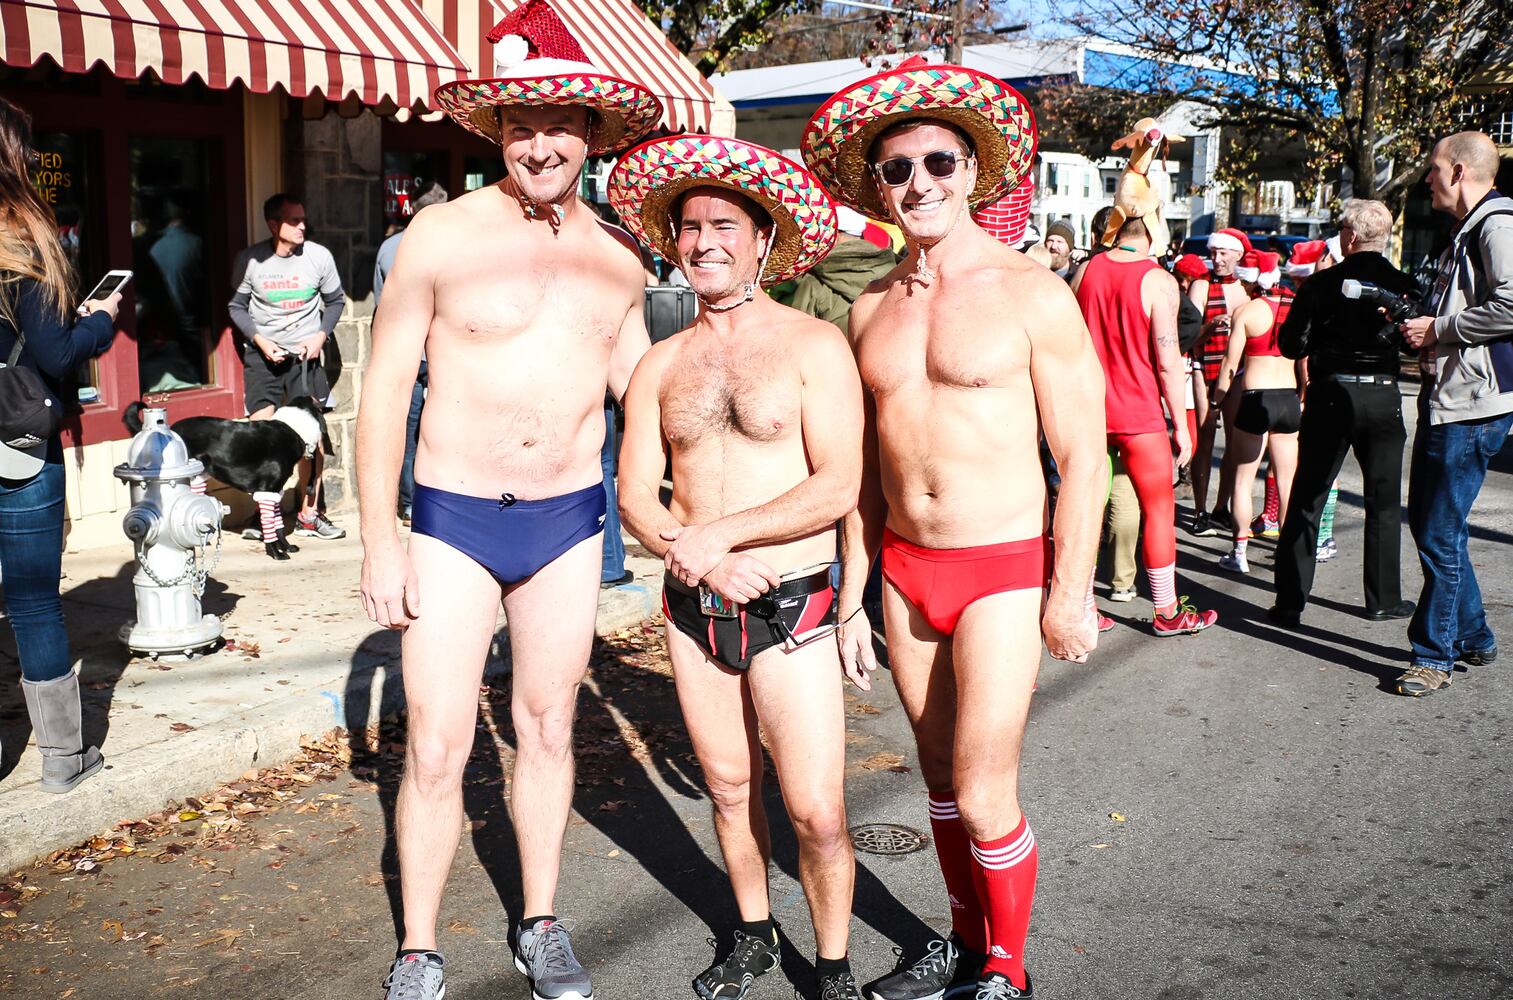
37,315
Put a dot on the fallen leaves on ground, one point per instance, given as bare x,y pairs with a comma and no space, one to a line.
886,760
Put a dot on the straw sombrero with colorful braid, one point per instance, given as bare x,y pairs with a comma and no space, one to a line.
647,181
537,61
993,114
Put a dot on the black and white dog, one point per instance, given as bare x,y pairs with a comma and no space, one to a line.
254,456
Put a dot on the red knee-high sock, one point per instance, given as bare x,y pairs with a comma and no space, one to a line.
954,849
1273,506
1006,879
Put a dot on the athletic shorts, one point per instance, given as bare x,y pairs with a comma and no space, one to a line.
1269,411
268,384
510,538
942,583
793,614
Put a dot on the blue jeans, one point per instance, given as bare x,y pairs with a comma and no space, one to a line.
1449,464
609,455
31,564
412,439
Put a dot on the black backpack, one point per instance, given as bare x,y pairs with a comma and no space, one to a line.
28,416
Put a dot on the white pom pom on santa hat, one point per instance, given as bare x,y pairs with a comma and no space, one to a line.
509,52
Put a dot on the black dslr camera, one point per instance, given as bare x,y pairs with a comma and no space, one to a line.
1399,308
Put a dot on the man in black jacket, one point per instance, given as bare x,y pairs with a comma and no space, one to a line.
1352,402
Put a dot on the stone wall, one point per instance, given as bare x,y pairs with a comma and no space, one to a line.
336,165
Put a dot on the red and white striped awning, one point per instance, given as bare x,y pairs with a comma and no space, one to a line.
617,38
379,51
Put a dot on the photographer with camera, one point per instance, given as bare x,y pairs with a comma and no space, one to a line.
1465,406
1351,401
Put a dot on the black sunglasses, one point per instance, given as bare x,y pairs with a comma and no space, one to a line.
942,164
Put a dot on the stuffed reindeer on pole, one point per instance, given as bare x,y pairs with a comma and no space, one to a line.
1141,193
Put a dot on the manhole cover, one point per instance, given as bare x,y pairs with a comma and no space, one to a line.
886,838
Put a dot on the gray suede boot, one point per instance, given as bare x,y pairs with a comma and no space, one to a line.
56,720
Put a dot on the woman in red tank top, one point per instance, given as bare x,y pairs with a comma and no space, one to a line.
1268,413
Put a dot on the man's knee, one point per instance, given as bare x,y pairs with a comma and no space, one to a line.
546,730
730,793
818,821
986,805
435,760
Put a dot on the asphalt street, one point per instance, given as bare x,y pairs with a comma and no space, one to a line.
1244,813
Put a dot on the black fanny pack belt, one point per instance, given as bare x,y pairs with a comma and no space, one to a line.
1364,379
766,606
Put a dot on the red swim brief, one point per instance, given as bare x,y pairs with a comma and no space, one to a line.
941,583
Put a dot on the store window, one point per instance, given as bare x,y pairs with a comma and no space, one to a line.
408,175
481,171
61,175
170,205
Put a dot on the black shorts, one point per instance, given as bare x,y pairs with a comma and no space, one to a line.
1269,411
799,610
269,384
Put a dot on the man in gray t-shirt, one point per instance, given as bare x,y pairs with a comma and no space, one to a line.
287,302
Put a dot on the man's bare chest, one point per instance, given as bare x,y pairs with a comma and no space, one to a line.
753,396
912,348
499,298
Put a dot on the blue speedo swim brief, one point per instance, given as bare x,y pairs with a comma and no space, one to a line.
510,538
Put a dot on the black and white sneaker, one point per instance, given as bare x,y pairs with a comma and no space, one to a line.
841,986
996,986
417,976
731,978
946,970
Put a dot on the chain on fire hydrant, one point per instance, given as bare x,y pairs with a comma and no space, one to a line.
177,537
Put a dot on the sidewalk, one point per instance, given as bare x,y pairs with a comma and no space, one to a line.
301,658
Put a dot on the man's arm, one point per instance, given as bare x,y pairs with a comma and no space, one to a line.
1492,319
630,346
241,318
1170,367
1234,354
643,455
1069,387
399,336
831,419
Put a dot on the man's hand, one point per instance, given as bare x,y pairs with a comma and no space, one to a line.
695,550
269,349
1070,632
310,347
1184,442
858,659
740,578
1219,324
1418,331
390,592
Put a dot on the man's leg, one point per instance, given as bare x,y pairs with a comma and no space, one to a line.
996,654
722,725
1322,442
1123,527
443,651
551,622
1148,457
1378,442
919,658
1203,449
799,701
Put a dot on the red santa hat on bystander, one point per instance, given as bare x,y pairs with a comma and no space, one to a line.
1270,266
1249,268
1190,265
1305,258
1229,239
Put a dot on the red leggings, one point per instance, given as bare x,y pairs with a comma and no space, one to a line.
1148,460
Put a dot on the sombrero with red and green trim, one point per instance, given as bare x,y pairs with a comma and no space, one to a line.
995,115
648,180
537,61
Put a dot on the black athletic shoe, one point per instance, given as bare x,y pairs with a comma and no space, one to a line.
946,970
731,979
839,987
995,986
1478,657
1204,526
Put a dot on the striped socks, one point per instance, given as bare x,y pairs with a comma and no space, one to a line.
953,848
197,485
269,515
1005,873
1163,580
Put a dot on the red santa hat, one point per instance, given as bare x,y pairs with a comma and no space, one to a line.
1190,265
1249,268
1229,239
1270,266
1305,258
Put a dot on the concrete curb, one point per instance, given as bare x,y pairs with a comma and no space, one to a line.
34,823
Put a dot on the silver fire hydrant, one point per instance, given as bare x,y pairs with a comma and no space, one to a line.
177,537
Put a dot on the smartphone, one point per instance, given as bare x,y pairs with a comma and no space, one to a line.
113,282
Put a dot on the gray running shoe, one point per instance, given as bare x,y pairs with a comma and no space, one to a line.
416,977
319,526
544,955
